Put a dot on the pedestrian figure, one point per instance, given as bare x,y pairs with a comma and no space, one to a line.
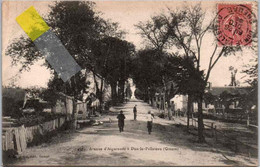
135,112
121,121
149,122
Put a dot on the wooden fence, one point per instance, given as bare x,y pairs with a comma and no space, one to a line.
17,138
221,136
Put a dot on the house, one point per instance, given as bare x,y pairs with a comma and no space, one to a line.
226,99
64,105
90,103
216,100
180,102
96,83
160,97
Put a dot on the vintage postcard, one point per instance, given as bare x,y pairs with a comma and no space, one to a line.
129,83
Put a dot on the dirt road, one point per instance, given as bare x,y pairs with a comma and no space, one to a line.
104,145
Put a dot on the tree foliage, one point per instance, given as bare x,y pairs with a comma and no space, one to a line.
157,69
78,27
113,61
184,31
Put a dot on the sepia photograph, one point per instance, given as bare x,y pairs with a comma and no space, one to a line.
130,83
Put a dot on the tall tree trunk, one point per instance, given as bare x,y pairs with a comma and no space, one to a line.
74,114
201,137
74,105
101,91
189,110
121,91
96,84
114,92
152,101
146,96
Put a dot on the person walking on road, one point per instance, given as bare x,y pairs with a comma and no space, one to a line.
135,112
121,121
149,121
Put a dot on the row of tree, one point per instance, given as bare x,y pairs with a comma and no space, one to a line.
173,53
96,44
179,34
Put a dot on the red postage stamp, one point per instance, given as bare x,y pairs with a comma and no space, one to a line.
234,24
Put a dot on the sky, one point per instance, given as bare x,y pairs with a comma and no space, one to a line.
127,14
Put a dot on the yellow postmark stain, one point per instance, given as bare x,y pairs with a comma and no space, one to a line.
32,23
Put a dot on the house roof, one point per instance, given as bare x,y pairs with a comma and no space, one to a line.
230,89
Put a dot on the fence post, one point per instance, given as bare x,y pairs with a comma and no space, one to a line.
216,135
192,119
212,130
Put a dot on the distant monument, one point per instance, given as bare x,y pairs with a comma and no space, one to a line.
132,86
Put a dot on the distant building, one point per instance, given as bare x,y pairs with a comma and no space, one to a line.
160,98
180,102
218,105
92,88
220,100
234,96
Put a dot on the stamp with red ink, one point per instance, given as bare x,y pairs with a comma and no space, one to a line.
234,24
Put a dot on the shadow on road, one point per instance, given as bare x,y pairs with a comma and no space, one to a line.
172,135
165,133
